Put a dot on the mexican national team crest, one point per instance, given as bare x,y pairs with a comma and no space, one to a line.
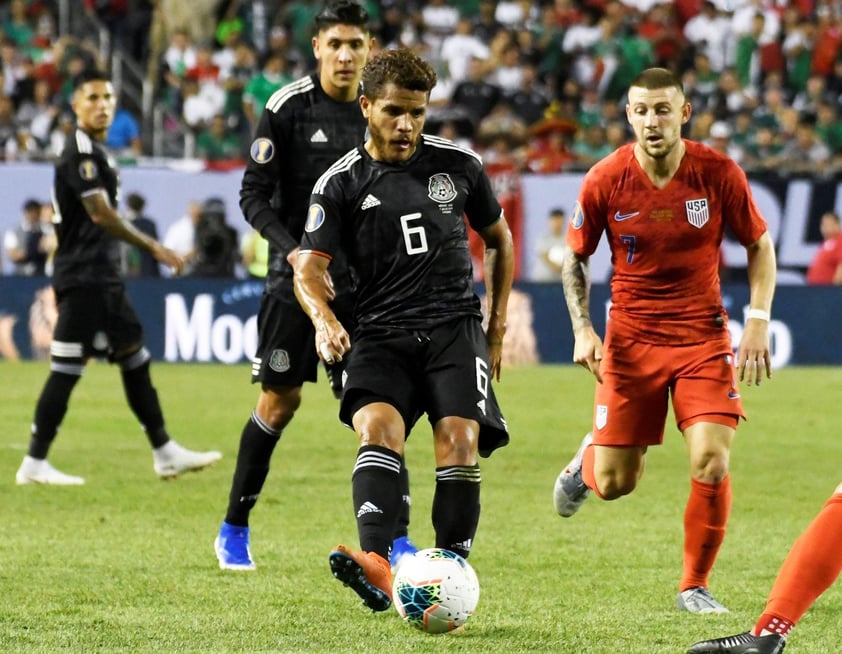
697,212
279,361
441,188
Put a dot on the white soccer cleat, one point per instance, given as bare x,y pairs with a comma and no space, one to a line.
39,471
570,491
171,460
698,600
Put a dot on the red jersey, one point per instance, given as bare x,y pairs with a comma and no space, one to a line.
665,243
828,258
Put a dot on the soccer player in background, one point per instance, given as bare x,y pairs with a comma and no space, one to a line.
810,568
395,207
95,317
305,126
664,203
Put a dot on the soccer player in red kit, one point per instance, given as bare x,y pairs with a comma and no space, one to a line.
664,203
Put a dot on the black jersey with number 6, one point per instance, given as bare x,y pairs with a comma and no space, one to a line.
87,255
403,231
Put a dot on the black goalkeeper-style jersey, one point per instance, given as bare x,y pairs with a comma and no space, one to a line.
87,254
301,132
403,231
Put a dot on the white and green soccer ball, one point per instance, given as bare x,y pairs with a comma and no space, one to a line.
435,590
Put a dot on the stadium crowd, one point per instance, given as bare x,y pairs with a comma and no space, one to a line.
538,84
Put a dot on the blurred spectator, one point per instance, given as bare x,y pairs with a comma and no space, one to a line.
532,98
254,253
438,20
28,245
178,58
181,235
60,130
135,261
747,56
219,145
658,27
805,153
829,127
216,251
797,46
18,25
550,249
590,145
763,151
39,113
730,97
458,48
485,24
200,103
709,31
262,85
502,122
580,41
8,126
124,134
476,95
826,49
508,74
826,266
814,93
720,140
548,150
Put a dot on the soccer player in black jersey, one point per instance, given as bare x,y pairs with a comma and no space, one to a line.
95,317
394,206
305,126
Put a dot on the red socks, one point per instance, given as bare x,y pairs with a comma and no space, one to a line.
705,518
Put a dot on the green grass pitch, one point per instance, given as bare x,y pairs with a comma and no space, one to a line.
126,564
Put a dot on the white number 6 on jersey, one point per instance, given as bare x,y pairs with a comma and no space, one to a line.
410,232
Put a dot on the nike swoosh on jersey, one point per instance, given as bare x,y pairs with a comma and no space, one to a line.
619,217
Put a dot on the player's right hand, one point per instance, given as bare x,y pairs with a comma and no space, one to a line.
332,341
169,258
587,351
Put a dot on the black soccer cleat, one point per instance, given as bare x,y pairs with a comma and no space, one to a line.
741,644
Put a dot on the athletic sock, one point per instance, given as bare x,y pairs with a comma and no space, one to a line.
50,411
812,565
377,497
257,442
143,399
705,519
456,507
402,528
587,471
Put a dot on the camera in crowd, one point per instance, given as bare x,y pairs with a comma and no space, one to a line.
216,242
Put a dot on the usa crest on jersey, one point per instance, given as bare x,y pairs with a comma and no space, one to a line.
697,212
441,188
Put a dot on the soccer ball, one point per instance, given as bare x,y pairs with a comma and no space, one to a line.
435,590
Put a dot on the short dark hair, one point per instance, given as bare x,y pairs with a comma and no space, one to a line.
135,202
90,75
31,205
341,12
401,67
657,78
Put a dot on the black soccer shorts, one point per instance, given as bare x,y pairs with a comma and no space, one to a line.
442,371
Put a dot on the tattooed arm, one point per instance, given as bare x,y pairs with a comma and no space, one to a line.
575,277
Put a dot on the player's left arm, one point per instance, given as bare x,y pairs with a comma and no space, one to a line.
101,212
753,355
499,266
